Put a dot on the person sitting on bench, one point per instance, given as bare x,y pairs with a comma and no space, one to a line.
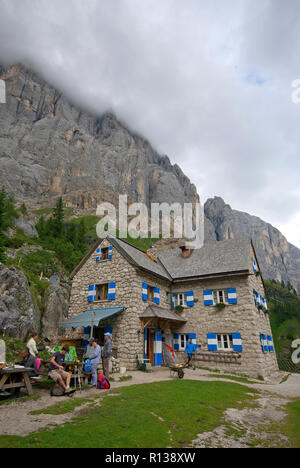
27,361
56,370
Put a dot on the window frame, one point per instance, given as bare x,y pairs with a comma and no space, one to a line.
176,296
186,339
105,288
150,293
224,294
229,341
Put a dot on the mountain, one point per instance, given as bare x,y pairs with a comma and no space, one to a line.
49,148
278,259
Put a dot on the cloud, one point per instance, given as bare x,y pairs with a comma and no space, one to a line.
208,83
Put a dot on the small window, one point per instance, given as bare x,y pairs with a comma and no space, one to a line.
221,296
225,343
150,293
183,339
180,299
101,292
168,297
104,253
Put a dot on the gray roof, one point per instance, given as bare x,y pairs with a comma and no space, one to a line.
139,258
153,311
214,258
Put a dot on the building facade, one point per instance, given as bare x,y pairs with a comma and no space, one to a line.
214,295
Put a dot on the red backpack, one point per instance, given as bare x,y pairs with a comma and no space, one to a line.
103,383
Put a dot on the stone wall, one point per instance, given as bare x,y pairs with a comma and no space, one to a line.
128,336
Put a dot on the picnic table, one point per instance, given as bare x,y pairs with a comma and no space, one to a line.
10,375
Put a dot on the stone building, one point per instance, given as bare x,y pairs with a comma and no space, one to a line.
214,295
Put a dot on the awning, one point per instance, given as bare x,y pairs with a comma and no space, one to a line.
160,313
90,317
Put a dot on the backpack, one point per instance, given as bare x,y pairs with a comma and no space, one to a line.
87,366
103,383
38,364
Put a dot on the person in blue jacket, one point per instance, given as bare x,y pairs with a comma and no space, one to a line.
190,350
95,358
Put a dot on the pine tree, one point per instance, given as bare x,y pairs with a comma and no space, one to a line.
58,219
81,236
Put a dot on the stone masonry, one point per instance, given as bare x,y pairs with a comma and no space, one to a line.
128,335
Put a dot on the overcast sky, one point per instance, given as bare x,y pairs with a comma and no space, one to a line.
208,82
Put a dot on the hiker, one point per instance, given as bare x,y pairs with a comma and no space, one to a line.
190,349
95,357
2,365
106,354
56,370
27,361
31,345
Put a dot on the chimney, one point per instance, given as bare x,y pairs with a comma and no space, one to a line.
185,251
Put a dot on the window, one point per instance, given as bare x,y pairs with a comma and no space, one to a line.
183,339
220,297
150,293
104,253
168,297
225,342
180,299
101,292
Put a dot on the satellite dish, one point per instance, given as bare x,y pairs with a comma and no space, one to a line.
55,280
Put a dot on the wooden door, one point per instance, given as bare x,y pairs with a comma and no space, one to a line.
150,345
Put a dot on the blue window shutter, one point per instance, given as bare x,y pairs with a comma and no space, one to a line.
208,297
146,345
264,343
110,252
270,344
156,296
92,293
190,298
145,292
232,296
237,342
176,341
255,267
157,355
111,291
173,300
212,342
108,330
193,337
99,256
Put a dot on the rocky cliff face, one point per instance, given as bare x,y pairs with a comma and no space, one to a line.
50,148
278,258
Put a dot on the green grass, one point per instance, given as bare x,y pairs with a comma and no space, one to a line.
232,377
157,415
19,400
292,426
63,407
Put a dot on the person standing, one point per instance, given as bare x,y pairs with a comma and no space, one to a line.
190,350
95,358
106,354
31,345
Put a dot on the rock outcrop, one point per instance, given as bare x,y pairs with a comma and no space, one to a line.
18,313
50,148
277,258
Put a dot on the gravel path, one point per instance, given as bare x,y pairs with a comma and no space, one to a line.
15,418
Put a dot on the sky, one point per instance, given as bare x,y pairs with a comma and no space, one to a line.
208,82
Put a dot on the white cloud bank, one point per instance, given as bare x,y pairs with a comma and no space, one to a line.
208,82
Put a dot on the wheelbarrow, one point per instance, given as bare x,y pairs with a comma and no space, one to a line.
170,362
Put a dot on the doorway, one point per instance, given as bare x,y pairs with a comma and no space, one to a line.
150,345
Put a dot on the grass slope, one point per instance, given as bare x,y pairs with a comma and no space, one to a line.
157,415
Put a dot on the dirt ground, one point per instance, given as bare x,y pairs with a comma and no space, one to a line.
241,428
